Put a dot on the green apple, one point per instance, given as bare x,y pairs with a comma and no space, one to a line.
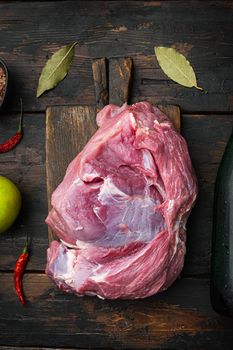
10,203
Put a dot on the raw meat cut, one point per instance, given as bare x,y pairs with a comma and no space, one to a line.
121,209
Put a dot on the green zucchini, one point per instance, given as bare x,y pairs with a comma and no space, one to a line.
221,282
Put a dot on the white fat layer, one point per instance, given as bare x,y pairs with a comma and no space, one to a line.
77,182
100,277
99,296
70,269
109,190
79,244
148,160
82,244
97,210
68,244
170,204
132,120
127,218
161,190
64,265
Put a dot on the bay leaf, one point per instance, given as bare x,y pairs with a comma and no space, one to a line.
176,66
56,68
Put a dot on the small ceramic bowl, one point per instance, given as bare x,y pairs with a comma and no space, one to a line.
3,93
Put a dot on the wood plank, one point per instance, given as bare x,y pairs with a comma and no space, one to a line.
200,30
120,78
206,136
100,77
181,315
67,131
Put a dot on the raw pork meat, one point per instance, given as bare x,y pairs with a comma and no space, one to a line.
121,210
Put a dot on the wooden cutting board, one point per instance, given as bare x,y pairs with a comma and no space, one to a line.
68,128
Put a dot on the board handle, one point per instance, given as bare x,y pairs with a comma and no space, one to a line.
112,80
100,77
120,78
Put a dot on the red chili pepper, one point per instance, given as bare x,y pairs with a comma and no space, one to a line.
13,141
18,273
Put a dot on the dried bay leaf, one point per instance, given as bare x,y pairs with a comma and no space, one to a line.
176,66
56,68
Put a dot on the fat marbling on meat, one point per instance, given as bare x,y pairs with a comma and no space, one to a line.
121,210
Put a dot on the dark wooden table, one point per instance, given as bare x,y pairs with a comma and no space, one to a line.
182,317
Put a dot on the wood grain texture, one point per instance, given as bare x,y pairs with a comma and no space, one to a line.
180,318
67,131
109,29
100,77
120,78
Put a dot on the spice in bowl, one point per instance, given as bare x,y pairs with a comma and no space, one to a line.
3,82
